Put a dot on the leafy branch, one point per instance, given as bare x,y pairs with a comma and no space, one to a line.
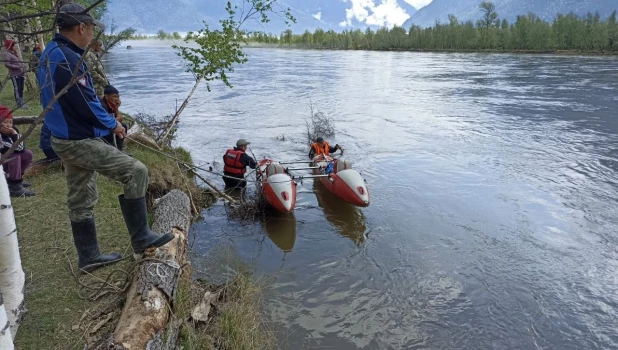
219,50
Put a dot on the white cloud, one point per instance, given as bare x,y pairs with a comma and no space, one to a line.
318,16
386,13
418,3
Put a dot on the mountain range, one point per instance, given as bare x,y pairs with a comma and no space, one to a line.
148,16
465,10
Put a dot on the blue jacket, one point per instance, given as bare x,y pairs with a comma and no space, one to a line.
45,139
78,114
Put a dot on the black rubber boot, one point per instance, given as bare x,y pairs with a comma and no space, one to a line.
85,239
136,218
16,189
26,184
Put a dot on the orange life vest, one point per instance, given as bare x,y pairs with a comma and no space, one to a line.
318,151
232,164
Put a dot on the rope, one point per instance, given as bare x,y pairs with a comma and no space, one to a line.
301,178
94,290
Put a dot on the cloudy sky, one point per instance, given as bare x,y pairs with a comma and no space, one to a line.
379,12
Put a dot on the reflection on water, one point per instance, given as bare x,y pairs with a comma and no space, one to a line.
494,192
281,230
348,219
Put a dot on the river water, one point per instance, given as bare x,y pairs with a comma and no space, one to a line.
493,178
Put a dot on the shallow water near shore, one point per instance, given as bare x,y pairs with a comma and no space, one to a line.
493,182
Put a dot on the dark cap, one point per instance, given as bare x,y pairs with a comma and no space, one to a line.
319,139
73,14
110,90
242,142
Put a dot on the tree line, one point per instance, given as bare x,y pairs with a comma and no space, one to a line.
589,33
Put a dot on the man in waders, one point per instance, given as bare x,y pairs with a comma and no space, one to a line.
235,163
77,123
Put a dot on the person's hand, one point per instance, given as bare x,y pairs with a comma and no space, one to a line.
8,131
120,131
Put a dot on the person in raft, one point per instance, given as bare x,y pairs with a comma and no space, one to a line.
235,163
19,161
78,123
321,147
111,102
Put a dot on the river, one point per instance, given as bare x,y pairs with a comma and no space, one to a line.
493,178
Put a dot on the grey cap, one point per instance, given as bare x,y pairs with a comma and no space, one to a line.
73,14
242,142
319,139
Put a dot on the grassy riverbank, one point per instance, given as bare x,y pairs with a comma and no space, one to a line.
58,317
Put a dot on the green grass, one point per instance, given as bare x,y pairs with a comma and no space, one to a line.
54,307
52,300
31,97
238,323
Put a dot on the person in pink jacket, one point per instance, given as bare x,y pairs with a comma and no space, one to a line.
17,70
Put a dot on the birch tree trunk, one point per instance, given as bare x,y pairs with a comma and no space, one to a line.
29,86
38,27
6,340
12,278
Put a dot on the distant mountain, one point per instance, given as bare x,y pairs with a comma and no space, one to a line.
438,10
148,16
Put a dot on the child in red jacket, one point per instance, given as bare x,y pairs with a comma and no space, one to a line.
19,161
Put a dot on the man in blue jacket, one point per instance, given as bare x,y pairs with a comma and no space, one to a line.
77,123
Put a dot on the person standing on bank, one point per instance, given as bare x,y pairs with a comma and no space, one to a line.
111,102
77,123
17,70
235,163
95,67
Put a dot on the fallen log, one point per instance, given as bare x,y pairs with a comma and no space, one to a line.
23,120
150,299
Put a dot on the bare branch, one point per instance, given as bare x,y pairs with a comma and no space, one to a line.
27,33
39,119
50,105
34,15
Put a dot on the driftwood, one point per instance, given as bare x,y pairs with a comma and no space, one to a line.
150,299
136,134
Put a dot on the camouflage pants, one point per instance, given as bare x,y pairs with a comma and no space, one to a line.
84,160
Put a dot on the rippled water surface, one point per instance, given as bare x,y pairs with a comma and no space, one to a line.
493,180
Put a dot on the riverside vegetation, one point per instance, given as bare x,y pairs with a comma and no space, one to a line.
594,33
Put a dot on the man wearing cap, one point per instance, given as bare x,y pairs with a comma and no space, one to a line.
77,123
95,67
321,147
235,163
